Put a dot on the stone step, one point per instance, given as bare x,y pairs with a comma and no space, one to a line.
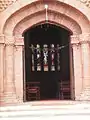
46,110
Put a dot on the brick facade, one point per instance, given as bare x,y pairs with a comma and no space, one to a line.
72,15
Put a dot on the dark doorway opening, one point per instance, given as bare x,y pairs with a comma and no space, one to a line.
47,64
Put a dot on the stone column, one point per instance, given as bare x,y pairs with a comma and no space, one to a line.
1,68
77,65
18,65
85,46
9,82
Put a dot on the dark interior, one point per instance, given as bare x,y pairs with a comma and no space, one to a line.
48,34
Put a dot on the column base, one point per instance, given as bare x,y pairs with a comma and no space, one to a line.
1,98
85,95
9,98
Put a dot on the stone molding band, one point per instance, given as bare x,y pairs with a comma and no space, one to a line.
19,40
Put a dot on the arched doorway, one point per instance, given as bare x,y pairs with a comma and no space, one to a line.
17,19
47,62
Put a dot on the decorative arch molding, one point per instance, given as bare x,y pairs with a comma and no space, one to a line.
54,18
62,8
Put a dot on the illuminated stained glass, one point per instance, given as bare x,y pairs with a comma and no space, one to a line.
52,57
45,54
38,57
44,58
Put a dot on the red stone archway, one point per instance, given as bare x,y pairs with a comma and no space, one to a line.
20,19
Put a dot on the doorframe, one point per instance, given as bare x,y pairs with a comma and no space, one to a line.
72,82
24,76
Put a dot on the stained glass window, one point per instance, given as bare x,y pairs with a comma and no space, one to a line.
45,54
45,57
38,57
52,57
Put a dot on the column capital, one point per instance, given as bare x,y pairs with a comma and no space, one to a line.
84,38
1,38
74,39
9,40
19,40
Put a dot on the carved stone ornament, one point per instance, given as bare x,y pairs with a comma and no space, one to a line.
5,3
86,2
